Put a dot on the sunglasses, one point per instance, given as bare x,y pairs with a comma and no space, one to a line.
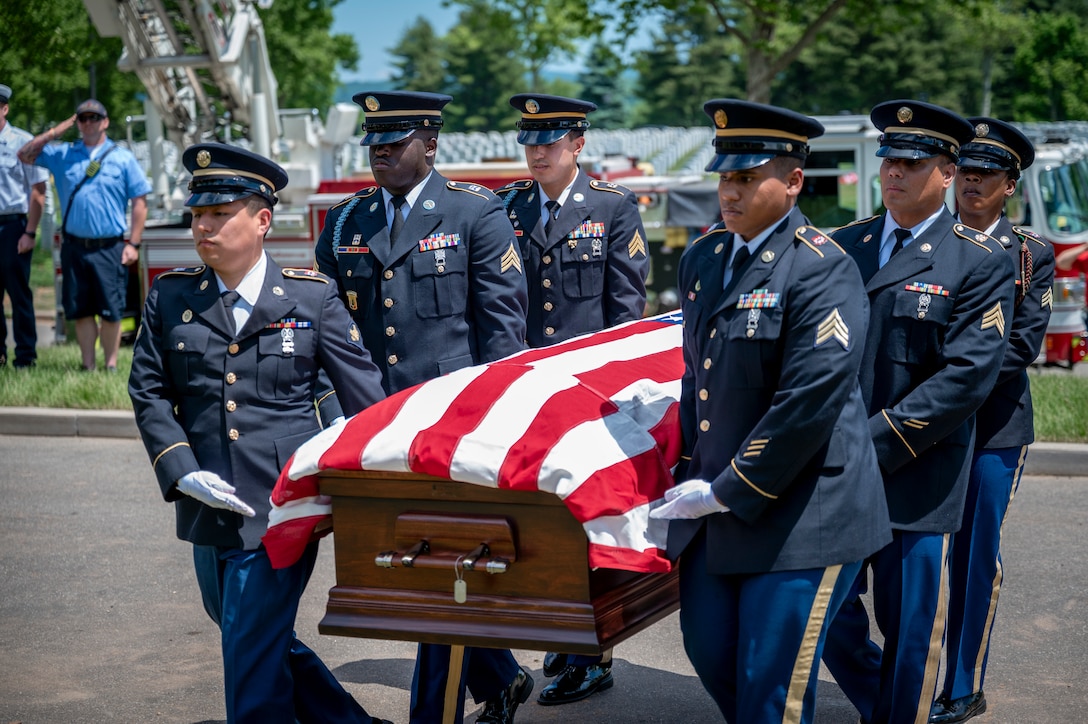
89,118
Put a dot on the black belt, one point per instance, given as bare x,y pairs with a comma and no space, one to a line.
8,218
93,243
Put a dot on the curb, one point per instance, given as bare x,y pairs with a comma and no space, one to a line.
1063,459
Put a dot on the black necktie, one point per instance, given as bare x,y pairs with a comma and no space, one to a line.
738,261
901,236
553,212
398,217
230,298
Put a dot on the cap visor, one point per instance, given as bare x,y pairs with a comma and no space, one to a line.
912,153
383,137
542,137
214,198
723,162
968,162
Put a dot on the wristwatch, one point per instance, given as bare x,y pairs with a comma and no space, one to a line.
31,233
134,246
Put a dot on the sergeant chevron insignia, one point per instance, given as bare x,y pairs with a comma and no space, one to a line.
994,317
833,327
636,245
510,260
1048,298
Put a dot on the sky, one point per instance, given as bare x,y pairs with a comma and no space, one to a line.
377,25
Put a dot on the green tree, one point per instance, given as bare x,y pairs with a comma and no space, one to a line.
418,58
485,68
305,55
1051,69
602,82
54,59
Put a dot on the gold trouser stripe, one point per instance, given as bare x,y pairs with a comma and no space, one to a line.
936,637
453,684
159,456
999,576
806,655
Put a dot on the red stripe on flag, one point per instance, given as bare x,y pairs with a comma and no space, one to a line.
432,449
667,434
617,488
346,453
608,379
592,340
561,413
287,541
651,560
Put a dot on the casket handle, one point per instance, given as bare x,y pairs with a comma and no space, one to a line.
421,548
437,540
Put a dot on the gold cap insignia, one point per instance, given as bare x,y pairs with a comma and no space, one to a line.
203,159
531,106
720,118
904,114
982,130
372,103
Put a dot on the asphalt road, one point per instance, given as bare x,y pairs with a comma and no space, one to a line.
100,619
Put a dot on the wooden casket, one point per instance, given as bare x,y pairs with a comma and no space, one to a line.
403,540
502,506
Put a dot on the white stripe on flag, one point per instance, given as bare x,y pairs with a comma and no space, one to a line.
301,508
388,450
307,458
633,346
635,529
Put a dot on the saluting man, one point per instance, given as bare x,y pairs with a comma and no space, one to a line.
223,382
987,174
941,301
585,257
430,270
782,499
582,239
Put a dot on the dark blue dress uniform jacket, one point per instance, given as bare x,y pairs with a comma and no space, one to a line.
1006,419
940,315
428,311
590,272
771,406
238,405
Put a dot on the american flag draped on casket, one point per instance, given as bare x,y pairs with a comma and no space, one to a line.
593,420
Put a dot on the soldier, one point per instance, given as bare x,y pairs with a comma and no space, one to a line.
430,270
582,240
782,500
585,257
22,198
223,381
988,170
939,294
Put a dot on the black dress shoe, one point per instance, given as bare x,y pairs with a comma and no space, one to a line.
500,710
946,711
576,683
554,664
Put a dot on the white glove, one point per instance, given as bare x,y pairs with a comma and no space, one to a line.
213,491
691,499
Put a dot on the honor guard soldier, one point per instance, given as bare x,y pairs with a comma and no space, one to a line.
430,270
582,239
22,198
782,499
223,383
941,301
987,174
585,257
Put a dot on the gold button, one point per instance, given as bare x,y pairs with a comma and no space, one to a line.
548,306
231,405
547,283
549,331
441,268
388,274
388,303
706,363
233,434
231,378
704,425
233,348
390,331
712,333
391,359
181,346
349,272
547,259
750,333
704,394
585,257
